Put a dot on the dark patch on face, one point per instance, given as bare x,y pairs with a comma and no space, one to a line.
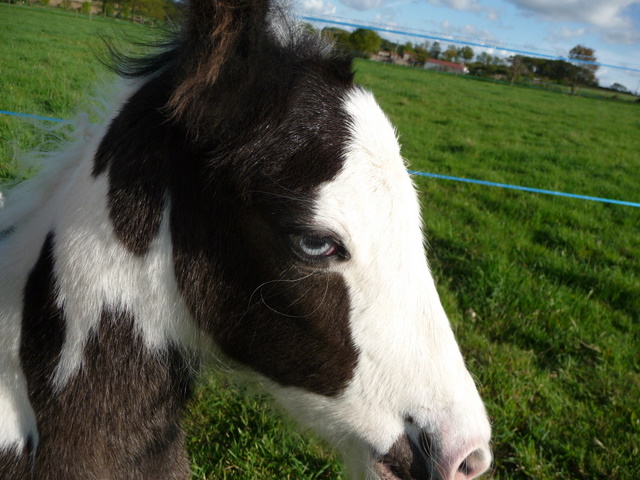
237,273
238,177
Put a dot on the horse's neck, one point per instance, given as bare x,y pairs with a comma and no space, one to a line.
30,212
99,334
118,399
123,405
90,267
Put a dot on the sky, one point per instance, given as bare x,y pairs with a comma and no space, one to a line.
551,27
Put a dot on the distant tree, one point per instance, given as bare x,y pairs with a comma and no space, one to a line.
557,71
583,73
108,6
476,69
157,10
517,67
153,9
435,50
130,8
85,8
450,54
406,48
310,29
466,53
422,54
388,45
619,87
339,36
484,58
365,41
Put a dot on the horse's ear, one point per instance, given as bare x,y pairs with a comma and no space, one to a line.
214,34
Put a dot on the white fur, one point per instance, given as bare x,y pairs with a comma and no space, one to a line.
409,363
96,271
18,420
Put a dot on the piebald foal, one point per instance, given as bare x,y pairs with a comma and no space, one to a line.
247,199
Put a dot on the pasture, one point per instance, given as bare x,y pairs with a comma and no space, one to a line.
543,292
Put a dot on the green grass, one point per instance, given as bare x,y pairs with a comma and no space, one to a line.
554,282
49,67
233,435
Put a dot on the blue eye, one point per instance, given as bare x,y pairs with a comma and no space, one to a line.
316,246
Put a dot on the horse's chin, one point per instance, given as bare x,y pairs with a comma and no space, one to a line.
385,471
404,461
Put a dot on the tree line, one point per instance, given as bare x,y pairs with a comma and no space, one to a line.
574,72
155,10
580,69
364,42
159,10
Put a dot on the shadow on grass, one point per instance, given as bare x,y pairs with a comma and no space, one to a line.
234,435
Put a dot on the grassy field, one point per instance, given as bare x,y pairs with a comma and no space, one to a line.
543,292
49,67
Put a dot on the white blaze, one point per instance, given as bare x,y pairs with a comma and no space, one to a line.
409,363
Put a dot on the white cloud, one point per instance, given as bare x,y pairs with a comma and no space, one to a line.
387,18
566,33
602,13
465,5
473,32
607,18
473,6
318,7
621,36
466,32
363,4
608,76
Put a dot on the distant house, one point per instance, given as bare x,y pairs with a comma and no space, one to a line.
442,66
393,57
74,5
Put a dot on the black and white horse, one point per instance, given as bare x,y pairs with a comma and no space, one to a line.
247,199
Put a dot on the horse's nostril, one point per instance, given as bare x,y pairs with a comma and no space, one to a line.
473,465
464,467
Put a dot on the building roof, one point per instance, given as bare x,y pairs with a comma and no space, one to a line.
442,63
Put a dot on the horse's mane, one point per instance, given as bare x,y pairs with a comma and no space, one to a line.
209,44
